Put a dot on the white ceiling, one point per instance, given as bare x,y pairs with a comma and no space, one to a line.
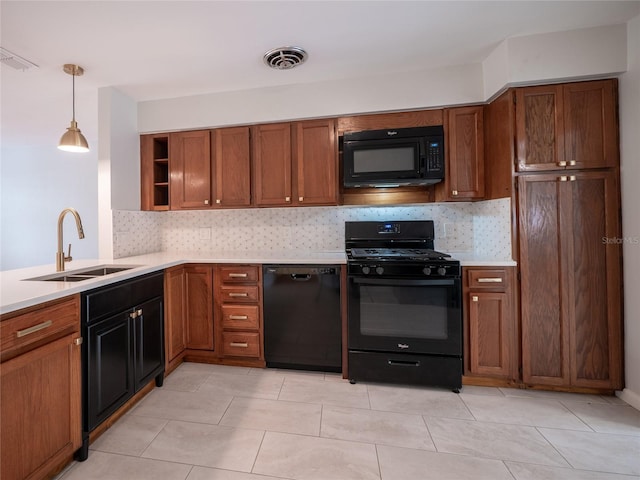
162,49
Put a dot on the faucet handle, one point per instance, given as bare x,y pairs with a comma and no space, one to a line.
68,258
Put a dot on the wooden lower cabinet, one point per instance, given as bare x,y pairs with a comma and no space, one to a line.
490,324
238,311
175,317
571,285
40,389
198,306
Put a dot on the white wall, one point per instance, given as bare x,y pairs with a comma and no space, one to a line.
36,184
630,164
401,91
549,57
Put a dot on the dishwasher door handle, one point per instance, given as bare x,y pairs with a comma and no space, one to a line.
301,277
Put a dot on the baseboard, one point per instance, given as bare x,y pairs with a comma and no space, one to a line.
631,397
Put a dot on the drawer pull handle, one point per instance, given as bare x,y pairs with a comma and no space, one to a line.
563,178
239,344
490,280
238,275
474,298
562,163
572,162
238,317
78,341
34,329
233,294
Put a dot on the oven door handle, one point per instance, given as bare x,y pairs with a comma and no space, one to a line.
403,282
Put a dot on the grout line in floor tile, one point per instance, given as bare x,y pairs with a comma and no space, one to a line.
467,407
378,460
553,446
253,465
504,462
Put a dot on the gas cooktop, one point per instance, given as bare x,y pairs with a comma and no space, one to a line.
397,254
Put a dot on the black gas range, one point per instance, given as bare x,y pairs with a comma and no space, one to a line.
404,305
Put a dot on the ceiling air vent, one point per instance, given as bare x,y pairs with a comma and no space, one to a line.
15,61
284,58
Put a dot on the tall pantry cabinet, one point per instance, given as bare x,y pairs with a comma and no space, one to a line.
568,204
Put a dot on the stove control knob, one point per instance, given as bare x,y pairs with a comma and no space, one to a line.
366,270
426,271
442,271
379,270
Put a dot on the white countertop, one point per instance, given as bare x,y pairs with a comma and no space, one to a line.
17,293
472,260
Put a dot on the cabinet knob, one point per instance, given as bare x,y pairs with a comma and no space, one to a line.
206,202
563,178
301,199
474,298
218,201
572,178
562,164
572,162
454,193
287,199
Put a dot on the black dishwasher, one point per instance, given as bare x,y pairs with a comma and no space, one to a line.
302,324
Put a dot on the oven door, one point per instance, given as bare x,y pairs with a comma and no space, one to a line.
405,315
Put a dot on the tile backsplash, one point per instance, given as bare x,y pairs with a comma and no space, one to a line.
483,228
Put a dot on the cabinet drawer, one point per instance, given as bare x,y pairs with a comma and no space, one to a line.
239,274
245,317
240,344
240,294
487,279
20,332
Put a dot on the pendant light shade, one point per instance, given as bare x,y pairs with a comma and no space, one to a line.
72,140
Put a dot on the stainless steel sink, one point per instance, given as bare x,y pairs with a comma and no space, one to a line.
83,273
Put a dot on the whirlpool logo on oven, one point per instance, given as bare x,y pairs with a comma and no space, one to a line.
403,346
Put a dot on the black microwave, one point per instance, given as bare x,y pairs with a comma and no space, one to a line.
393,157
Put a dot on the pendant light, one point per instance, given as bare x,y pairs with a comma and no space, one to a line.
72,140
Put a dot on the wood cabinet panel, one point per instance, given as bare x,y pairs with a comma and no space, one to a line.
315,163
154,171
241,344
175,318
590,122
239,274
271,146
490,349
571,279
190,175
464,178
199,307
231,158
242,317
379,121
568,126
239,294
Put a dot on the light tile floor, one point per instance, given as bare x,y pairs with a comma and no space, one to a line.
212,422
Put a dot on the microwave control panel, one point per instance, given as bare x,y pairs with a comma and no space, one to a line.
435,156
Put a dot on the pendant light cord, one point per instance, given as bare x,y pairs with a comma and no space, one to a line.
73,96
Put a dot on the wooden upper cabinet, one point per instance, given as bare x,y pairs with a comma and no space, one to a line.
464,171
590,123
315,160
154,171
231,160
190,169
569,126
272,164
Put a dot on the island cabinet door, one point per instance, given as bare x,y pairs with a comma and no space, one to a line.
40,409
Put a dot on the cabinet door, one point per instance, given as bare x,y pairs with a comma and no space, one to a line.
231,167
272,164
149,341
110,358
199,307
175,324
465,167
490,334
591,242
543,267
590,123
190,169
539,128
40,407
315,163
